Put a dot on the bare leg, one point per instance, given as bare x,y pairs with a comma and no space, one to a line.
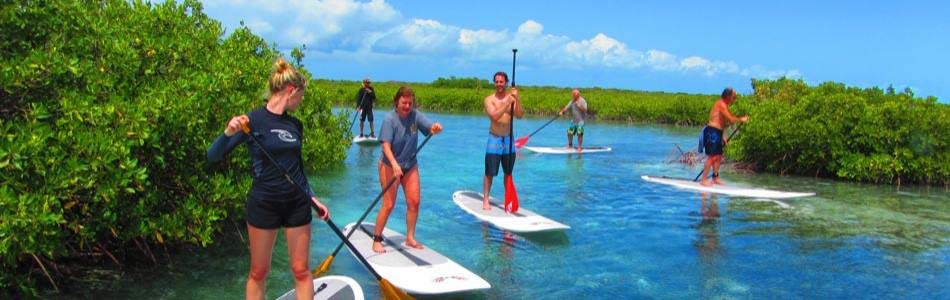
410,183
706,167
262,246
298,246
389,200
486,188
580,141
716,165
570,140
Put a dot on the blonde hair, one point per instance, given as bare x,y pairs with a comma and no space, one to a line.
285,74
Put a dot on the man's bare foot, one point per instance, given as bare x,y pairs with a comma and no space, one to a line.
414,244
378,247
716,180
705,182
485,205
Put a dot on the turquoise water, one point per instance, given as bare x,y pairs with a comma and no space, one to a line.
629,238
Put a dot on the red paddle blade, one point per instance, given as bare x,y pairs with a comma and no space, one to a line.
520,142
511,196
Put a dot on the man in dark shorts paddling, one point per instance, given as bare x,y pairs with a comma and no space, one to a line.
713,140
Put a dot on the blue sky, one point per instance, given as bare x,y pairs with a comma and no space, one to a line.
689,46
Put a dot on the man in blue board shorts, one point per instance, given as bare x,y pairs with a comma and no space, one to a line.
497,150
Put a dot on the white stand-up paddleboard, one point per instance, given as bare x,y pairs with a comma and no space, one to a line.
417,271
725,189
331,288
522,221
566,150
366,141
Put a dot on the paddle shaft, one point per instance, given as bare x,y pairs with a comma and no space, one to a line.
724,146
380,196
511,125
314,205
542,126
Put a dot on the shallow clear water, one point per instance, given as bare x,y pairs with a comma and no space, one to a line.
629,238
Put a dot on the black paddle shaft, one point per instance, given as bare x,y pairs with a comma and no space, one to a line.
545,125
317,208
511,124
730,137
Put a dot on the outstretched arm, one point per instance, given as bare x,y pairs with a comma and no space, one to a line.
724,109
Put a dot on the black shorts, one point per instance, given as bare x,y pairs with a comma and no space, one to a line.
367,114
277,213
712,141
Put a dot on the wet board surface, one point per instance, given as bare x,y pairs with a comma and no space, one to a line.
725,189
523,221
331,288
366,141
417,271
566,150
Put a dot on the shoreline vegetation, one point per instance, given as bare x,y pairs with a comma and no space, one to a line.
105,121
830,130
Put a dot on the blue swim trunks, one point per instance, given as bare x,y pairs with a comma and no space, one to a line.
712,141
498,152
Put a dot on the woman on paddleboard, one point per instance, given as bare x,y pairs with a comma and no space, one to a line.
272,203
399,135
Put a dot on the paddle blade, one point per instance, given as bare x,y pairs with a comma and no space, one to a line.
391,292
323,268
511,195
520,142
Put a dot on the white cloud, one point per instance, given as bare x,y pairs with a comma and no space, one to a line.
419,37
259,26
530,27
376,29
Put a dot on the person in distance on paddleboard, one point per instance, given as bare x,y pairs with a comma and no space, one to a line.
578,107
272,203
713,139
498,109
399,135
364,105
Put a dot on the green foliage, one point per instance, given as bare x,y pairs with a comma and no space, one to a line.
846,132
464,95
107,110
461,82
